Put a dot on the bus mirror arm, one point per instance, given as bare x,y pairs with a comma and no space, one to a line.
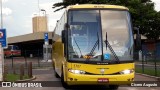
63,36
106,41
138,38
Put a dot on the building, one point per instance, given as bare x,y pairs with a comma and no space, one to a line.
32,43
39,24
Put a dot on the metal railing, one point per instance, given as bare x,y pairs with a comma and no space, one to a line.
149,63
34,56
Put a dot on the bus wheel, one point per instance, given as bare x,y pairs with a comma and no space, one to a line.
113,87
64,84
55,73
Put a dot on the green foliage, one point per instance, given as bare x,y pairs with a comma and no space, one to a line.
142,12
66,3
15,77
12,77
148,71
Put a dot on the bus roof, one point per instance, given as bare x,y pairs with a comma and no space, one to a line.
93,6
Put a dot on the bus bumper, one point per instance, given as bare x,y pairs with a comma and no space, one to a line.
82,79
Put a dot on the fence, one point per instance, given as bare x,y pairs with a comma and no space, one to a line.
149,60
147,63
34,56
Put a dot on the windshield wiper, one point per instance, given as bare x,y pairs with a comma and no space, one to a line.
78,46
94,47
110,47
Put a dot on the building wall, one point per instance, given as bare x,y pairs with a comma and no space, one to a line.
151,50
39,24
28,37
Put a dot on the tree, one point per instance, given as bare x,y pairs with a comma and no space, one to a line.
142,12
66,3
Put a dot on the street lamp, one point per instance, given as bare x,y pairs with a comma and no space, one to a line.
1,15
38,8
44,11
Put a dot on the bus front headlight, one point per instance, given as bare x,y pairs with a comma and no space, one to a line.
76,71
128,71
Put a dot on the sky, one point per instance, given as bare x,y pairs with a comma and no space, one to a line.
17,14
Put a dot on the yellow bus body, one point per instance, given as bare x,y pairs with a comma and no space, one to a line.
94,6
92,78
111,71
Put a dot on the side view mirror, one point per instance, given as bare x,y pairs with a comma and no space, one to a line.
138,38
64,33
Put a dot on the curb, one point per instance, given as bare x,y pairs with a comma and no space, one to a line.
43,68
26,80
146,75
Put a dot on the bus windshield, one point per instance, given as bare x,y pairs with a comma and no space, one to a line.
87,35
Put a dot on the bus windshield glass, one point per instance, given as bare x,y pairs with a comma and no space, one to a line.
87,35
118,27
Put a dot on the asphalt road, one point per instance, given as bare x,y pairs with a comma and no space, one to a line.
48,75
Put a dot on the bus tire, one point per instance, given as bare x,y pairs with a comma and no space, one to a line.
113,87
55,73
64,84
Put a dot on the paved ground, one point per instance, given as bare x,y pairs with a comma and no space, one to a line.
48,75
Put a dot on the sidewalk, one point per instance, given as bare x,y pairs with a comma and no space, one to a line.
147,63
139,77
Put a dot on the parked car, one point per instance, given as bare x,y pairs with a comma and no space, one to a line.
12,50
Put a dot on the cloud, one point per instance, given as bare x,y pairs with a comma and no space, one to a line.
28,23
52,16
157,4
6,11
4,1
23,3
47,7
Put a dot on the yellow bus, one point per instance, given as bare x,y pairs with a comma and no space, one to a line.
93,45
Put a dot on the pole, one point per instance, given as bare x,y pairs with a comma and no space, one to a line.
30,69
38,17
25,58
155,65
142,65
38,8
21,71
38,59
12,58
1,15
47,52
155,62
2,63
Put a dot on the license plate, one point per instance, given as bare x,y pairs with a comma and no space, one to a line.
105,80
